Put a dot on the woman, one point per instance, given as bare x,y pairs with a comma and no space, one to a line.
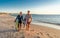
20,19
28,18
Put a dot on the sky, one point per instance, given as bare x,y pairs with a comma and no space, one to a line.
35,6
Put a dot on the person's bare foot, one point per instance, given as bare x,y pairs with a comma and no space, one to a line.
27,29
19,29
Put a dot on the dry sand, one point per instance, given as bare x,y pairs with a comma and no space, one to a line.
7,30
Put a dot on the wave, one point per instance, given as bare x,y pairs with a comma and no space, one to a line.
54,26
49,22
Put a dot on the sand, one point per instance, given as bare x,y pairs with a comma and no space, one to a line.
7,30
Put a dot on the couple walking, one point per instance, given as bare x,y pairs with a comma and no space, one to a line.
26,20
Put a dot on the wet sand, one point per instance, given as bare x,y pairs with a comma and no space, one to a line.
7,30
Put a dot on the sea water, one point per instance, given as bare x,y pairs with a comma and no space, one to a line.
51,19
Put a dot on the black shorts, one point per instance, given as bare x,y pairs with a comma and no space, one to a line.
20,22
28,22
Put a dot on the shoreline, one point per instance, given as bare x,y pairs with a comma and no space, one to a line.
48,25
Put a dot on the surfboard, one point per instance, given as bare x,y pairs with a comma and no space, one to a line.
16,24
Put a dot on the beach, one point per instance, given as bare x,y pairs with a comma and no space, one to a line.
7,30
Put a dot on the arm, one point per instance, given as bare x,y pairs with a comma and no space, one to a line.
16,18
31,17
22,17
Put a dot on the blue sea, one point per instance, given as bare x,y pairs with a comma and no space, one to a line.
51,19
47,19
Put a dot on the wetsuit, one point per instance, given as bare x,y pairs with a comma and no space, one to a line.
20,19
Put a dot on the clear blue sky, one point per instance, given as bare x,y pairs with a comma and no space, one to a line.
17,5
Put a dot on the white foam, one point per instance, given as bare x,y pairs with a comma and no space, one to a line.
48,25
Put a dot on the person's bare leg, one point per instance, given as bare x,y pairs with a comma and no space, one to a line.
19,27
24,25
27,26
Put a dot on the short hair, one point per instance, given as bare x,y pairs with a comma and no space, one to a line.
28,11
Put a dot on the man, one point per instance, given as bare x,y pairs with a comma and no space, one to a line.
28,18
20,19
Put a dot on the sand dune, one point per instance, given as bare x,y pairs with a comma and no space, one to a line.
7,30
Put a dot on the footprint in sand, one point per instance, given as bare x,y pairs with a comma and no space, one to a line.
37,33
41,33
49,35
37,37
56,36
19,34
22,36
12,26
32,30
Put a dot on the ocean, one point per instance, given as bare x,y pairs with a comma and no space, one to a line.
51,19
44,19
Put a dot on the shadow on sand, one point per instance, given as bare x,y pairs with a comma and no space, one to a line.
9,30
